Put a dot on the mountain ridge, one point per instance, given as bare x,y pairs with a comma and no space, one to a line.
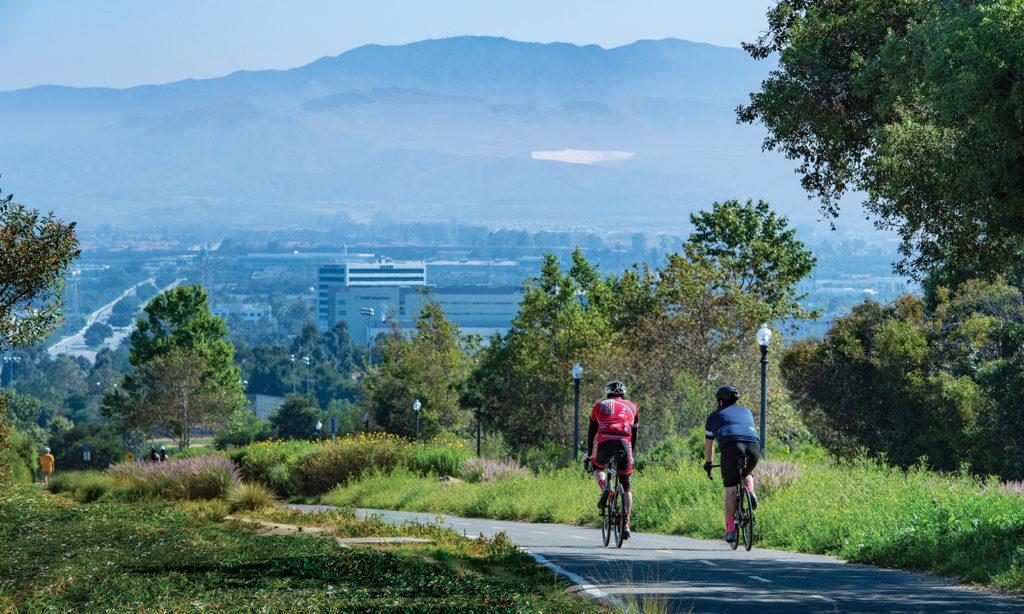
404,126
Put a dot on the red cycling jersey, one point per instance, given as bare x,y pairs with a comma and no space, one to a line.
615,419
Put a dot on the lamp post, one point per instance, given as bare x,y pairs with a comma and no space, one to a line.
292,358
368,312
416,408
764,337
319,425
11,360
577,374
305,361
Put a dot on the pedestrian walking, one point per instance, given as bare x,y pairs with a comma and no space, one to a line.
46,466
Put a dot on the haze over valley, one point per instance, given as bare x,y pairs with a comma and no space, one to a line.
470,129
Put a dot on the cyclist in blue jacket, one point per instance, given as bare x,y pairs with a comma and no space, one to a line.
733,427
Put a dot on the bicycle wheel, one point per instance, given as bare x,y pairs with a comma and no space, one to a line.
613,514
745,518
620,521
606,524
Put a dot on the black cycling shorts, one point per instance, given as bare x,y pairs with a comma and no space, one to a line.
731,451
624,467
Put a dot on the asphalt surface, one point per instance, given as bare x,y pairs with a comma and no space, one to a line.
695,575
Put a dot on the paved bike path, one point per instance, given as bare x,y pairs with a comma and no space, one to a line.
696,575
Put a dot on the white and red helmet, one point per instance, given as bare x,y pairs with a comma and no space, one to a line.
615,388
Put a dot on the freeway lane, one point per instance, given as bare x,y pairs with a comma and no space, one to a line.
694,575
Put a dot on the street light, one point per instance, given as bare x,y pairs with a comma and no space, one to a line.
416,408
319,425
305,361
12,360
577,374
764,337
292,358
368,312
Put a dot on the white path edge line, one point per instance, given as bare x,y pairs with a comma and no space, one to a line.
766,580
823,598
582,585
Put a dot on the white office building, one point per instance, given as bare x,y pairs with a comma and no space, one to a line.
394,291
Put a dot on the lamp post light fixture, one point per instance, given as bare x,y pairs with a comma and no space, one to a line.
416,408
764,338
319,425
577,375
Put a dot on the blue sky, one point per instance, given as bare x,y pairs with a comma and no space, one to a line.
120,43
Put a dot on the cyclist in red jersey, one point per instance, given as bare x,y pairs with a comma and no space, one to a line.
613,426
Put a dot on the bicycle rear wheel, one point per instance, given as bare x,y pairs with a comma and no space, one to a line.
745,518
620,521
614,511
606,523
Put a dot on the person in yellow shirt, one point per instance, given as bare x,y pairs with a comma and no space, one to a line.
46,466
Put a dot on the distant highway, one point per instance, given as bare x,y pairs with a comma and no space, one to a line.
75,344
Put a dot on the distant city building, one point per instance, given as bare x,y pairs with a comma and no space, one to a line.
394,292
248,313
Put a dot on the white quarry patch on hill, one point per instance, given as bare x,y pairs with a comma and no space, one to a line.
582,156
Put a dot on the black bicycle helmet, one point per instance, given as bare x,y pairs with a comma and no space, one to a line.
727,393
615,389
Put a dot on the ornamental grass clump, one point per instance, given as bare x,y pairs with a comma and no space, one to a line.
484,470
199,477
772,477
250,496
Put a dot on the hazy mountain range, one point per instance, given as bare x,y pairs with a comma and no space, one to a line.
440,129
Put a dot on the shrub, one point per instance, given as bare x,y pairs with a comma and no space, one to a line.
250,496
340,460
83,487
199,477
439,458
258,460
670,453
549,457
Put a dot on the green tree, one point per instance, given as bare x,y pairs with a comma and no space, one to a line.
97,333
432,366
178,337
565,316
755,243
37,251
918,105
909,383
296,418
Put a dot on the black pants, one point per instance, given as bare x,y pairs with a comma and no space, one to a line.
731,451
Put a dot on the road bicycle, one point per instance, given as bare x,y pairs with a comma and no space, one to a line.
613,516
745,520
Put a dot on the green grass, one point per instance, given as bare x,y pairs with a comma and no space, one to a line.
63,556
862,512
